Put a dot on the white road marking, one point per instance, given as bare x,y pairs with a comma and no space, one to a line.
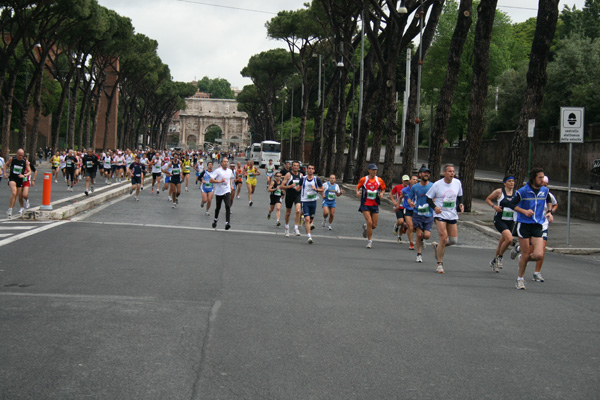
30,233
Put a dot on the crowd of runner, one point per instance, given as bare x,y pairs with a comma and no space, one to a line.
417,202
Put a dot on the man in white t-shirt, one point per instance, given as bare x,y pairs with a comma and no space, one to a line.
444,197
223,180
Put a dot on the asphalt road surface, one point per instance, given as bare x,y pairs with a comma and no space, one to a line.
137,300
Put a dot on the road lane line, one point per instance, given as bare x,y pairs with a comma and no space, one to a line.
30,233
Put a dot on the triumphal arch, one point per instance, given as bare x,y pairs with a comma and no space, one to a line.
202,113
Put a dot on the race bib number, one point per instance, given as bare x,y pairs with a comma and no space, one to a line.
296,181
371,194
89,164
277,192
55,164
331,196
448,204
17,169
69,164
311,196
208,185
507,214
176,171
250,176
423,210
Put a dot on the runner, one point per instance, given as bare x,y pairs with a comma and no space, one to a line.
370,189
530,204
422,215
173,169
17,169
223,180
62,164
135,172
251,173
331,190
292,197
107,164
396,196
549,218
239,176
234,173
504,219
55,162
408,212
90,163
207,187
275,197
145,162
310,186
156,165
71,165
30,181
269,171
444,197
286,168
187,168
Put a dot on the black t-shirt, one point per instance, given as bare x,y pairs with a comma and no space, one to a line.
71,162
90,162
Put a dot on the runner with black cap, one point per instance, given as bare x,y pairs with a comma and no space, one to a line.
370,189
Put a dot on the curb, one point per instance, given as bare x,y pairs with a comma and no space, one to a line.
80,206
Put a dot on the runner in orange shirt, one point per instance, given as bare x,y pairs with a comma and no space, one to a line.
370,189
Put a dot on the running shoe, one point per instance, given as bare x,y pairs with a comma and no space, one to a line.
86,193
329,227
269,216
21,211
499,262
520,284
174,205
238,197
287,233
9,212
494,265
26,204
411,246
369,244
312,227
297,232
439,269
186,189
278,223
136,198
201,204
396,228
55,181
537,277
310,241
419,258
142,187
131,191
206,213
214,224
250,204
227,226
324,223
152,191
364,230
515,250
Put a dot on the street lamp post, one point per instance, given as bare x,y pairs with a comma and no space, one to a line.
420,67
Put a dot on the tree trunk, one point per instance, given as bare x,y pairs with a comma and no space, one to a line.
37,113
442,116
486,12
84,112
73,111
536,82
98,103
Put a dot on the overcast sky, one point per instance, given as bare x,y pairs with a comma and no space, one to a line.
216,38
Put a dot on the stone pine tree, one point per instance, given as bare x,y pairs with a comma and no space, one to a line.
486,10
536,82
442,116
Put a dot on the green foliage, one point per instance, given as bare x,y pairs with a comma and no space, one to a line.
218,88
584,22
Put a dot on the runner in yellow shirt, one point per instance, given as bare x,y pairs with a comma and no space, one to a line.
187,167
251,173
55,162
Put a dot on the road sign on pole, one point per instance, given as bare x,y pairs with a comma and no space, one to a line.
571,124
571,131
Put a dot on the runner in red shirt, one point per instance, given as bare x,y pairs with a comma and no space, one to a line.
370,189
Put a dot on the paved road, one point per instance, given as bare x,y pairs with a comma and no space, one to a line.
136,300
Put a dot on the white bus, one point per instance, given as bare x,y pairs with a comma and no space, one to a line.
270,150
254,153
